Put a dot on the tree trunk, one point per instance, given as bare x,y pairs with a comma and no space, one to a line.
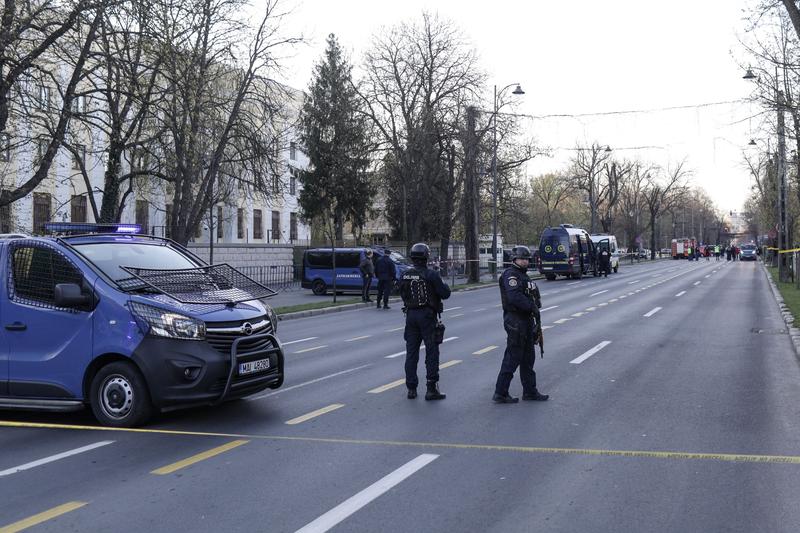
471,199
110,205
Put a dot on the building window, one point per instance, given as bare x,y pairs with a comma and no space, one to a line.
276,226
41,149
292,227
143,215
258,225
292,151
276,184
5,147
79,157
276,147
44,97
41,211
168,221
219,222
293,182
240,223
5,218
79,104
77,207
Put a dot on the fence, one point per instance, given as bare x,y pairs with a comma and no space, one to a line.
278,277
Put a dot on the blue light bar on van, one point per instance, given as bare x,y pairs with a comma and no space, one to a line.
75,228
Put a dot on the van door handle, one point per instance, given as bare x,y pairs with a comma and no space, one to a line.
16,326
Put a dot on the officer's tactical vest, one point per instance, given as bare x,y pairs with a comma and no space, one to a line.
415,290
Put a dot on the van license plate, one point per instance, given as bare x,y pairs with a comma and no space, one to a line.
547,268
253,366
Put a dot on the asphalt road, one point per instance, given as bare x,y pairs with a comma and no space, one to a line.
674,406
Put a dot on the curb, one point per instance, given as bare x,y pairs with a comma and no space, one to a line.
349,307
788,318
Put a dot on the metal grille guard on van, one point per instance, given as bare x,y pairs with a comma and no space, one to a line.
216,284
234,354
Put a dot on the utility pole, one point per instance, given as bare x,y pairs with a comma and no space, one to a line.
783,273
471,199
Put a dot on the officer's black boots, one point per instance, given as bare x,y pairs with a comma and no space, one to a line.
499,398
412,393
433,392
535,397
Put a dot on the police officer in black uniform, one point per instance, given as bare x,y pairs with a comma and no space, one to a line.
422,290
605,260
521,300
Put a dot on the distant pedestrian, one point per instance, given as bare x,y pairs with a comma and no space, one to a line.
385,271
604,261
727,253
367,273
422,290
716,252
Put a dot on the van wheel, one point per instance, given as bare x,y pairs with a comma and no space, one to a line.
550,277
318,287
119,396
616,269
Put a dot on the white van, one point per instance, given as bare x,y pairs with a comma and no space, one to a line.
597,238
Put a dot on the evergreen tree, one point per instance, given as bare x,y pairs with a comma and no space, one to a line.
335,135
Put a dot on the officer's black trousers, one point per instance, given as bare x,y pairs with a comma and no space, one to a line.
384,288
519,354
366,281
420,327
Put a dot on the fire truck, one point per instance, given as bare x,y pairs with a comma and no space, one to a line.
681,247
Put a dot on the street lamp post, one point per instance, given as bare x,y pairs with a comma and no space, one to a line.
781,169
493,262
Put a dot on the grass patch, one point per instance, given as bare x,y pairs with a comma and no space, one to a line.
791,295
316,305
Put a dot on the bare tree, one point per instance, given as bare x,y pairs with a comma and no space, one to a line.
551,190
418,77
222,112
663,195
588,165
29,31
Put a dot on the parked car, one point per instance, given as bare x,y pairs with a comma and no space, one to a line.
127,325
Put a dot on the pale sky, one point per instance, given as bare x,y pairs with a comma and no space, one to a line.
584,57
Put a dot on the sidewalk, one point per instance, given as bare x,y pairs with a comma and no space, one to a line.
297,296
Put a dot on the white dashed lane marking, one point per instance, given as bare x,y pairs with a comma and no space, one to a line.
599,292
680,294
299,340
586,355
652,312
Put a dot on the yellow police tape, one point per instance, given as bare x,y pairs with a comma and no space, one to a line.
783,251
727,457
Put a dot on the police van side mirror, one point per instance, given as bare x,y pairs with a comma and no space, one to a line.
70,295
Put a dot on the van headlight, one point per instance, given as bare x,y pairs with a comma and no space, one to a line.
163,323
273,318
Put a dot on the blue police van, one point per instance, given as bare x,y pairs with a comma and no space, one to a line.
128,325
566,251
318,268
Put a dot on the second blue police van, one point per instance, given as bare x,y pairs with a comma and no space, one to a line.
318,268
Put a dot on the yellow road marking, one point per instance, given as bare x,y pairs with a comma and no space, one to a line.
730,457
358,338
199,457
393,384
314,414
42,517
384,388
312,349
484,350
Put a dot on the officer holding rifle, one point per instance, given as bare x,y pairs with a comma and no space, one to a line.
522,322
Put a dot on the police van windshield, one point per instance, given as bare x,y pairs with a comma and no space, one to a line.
550,244
110,257
398,258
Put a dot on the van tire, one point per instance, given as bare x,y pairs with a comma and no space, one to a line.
550,277
318,287
616,269
119,396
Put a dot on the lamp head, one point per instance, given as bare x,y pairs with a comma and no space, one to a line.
518,90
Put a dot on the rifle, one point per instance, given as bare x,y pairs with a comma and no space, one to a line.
537,315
